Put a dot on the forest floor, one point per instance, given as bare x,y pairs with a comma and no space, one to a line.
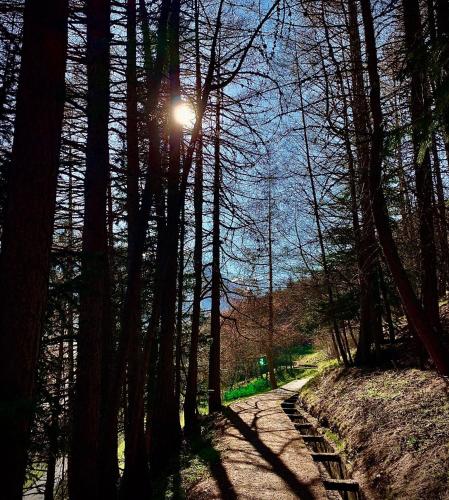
393,426
262,456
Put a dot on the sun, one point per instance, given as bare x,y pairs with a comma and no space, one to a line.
184,115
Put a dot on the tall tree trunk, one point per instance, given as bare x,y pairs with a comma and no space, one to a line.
132,295
179,315
441,220
135,482
190,404
387,307
410,302
442,25
84,474
420,112
214,394
270,359
28,226
370,326
108,446
54,431
166,429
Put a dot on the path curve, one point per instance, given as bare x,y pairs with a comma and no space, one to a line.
262,455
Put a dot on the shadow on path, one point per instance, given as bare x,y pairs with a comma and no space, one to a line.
224,483
297,487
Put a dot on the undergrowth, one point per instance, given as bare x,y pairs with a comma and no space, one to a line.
261,385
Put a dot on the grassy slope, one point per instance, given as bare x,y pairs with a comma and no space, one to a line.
392,424
260,385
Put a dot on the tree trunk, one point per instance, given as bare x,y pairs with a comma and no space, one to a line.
370,326
165,436
132,295
270,359
84,477
179,315
442,25
28,226
387,308
420,111
441,220
54,431
190,404
410,302
214,395
135,482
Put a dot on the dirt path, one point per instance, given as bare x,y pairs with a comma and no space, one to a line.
262,455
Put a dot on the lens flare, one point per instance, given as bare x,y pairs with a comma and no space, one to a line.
184,115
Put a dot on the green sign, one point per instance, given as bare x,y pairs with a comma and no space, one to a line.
263,361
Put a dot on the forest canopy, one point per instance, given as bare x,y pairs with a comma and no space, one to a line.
187,186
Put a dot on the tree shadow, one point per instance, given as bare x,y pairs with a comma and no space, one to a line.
222,479
297,487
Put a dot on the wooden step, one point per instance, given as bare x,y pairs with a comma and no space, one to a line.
341,484
311,438
296,416
305,425
326,457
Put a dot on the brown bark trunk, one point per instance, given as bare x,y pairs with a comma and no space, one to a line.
28,226
84,473
190,405
165,436
54,431
441,47
387,307
132,295
135,481
270,359
370,326
411,305
214,394
441,220
420,111
179,315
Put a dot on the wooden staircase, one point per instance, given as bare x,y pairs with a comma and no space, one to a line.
332,467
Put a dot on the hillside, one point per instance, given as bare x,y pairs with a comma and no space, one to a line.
393,426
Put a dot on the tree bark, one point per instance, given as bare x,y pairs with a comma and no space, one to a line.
414,311
84,473
190,404
214,394
270,360
135,482
441,220
131,303
420,112
28,226
179,315
370,326
165,436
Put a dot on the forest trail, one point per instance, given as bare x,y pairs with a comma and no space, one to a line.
262,455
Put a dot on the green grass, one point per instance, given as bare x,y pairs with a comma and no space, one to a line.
256,386
339,443
261,385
